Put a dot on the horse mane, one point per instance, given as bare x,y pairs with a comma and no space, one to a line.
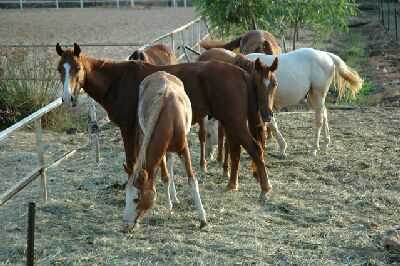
244,63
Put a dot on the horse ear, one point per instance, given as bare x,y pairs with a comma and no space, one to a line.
142,56
258,64
77,49
59,49
274,65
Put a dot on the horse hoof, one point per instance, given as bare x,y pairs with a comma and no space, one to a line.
231,188
263,197
203,224
126,228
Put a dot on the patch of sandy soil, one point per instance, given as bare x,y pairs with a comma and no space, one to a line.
328,210
91,25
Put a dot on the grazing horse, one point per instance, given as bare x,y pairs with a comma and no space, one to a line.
238,101
157,54
255,41
309,72
165,117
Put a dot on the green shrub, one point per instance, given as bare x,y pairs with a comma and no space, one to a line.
28,81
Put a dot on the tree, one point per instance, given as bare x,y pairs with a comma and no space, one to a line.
277,16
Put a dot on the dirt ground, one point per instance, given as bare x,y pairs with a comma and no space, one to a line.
329,210
90,25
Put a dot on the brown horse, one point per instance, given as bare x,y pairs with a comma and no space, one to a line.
157,54
228,56
165,117
237,100
255,41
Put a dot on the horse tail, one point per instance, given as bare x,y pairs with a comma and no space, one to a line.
346,76
232,45
158,103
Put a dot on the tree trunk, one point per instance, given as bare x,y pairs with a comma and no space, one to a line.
254,23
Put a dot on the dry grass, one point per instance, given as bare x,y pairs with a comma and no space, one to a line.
331,210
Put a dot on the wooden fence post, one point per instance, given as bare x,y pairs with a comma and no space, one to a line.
57,5
81,3
93,129
39,149
30,239
395,23
132,3
20,4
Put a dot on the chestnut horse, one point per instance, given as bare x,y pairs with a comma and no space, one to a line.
215,133
255,41
157,54
165,117
238,101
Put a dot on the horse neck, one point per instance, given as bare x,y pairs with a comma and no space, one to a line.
100,76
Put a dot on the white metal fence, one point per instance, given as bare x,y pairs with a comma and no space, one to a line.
91,3
188,35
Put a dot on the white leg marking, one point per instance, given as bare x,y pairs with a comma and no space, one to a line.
171,185
281,141
67,88
130,212
197,201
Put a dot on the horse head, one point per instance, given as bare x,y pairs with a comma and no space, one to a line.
141,196
266,86
72,73
138,55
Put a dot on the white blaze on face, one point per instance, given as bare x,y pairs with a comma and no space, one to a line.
130,213
67,87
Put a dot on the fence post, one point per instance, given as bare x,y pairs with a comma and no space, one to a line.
395,23
20,4
388,17
174,3
93,129
39,149
81,3
57,5
117,3
172,43
185,3
30,239
132,3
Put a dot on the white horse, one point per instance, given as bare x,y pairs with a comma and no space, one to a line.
309,72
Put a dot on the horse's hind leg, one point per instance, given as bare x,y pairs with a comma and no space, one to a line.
202,139
317,103
220,142
166,179
171,184
281,141
327,137
194,186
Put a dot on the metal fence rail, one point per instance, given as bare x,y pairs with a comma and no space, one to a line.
188,35
91,3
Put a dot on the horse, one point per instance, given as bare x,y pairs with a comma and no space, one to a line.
157,54
308,72
239,101
165,117
255,41
215,133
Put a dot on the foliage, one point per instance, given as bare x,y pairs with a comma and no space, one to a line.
278,16
28,83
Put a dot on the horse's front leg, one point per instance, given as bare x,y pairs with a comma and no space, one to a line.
130,140
273,126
